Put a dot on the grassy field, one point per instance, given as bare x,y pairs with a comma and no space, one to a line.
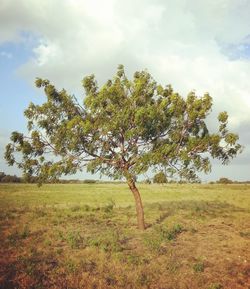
85,236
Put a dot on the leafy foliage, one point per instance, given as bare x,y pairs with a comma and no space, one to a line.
121,130
160,178
224,180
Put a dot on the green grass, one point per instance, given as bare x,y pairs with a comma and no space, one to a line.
101,194
76,235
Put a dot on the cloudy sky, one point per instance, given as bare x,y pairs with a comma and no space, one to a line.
191,44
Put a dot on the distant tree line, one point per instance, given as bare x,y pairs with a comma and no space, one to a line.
224,180
8,178
4,178
159,178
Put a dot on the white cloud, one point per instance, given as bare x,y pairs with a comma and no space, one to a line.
45,51
6,54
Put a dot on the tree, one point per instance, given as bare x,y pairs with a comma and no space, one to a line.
2,175
160,178
147,181
224,181
10,179
121,130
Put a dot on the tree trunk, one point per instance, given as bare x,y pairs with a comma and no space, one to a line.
138,204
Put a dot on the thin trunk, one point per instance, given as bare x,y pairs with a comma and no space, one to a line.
138,204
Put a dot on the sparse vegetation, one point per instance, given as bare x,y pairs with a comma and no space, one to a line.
85,236
160,178
199,267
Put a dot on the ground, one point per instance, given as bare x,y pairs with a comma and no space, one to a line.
85,236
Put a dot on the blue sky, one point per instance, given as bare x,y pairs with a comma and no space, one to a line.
201,45
13,86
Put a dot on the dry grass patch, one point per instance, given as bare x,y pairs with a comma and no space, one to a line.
197,237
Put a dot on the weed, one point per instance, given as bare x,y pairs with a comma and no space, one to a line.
59,251
28,263
39,213
13,238
134,259
86,208
110,280
153,242
25,232
60,236
215,286
162,217
109,207
245,234
198,267
75,240
173,232
75,208
71,266
193,230
4,215
169,234
47,242
88,266
92,219
144,279
109,241
159,235
173,266
16,236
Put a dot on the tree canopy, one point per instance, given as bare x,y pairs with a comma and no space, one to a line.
120,130
160,178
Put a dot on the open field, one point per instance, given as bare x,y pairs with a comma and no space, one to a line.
85,236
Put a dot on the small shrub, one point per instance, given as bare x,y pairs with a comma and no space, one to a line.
199,267
89,181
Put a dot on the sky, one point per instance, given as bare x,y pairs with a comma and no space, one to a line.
190,44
